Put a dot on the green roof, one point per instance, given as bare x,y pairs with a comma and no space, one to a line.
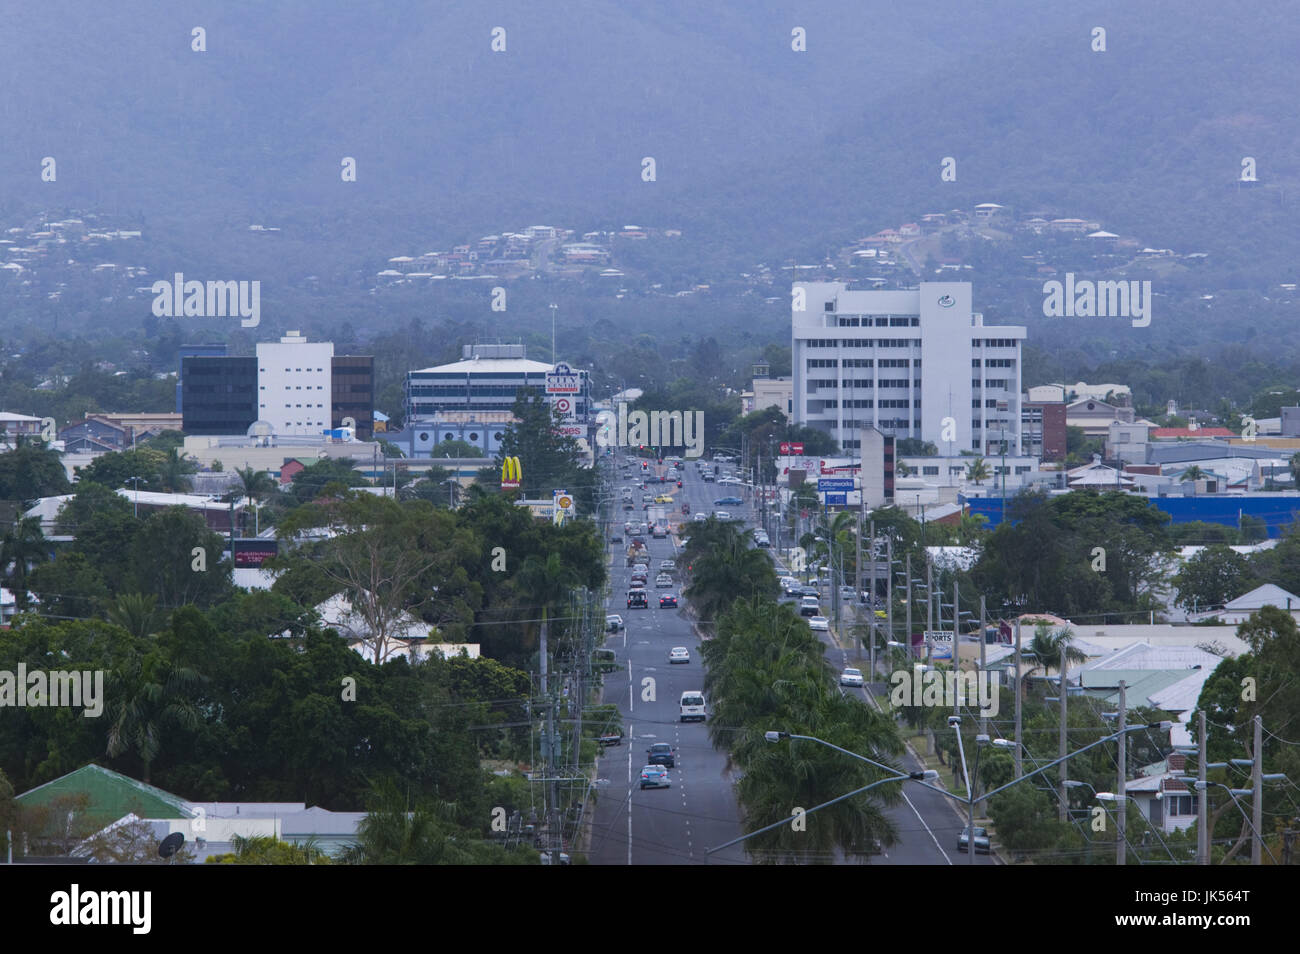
112,795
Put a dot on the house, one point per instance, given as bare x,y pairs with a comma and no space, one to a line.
1097,476
1237,611
210,828
99,432
1165,802
1095,416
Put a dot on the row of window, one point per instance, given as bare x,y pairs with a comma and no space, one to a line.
990,383
876,321
995,342
292,405
263,370
862,343
852,383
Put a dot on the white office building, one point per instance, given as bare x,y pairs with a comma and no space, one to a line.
902,362
294,384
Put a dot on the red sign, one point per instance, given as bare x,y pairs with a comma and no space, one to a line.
791,447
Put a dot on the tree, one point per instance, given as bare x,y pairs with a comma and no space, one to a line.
164,561
1047,647
268,850
23,547
456,448
173,470
383,557
69,586
977,471
147,697
1212,577
1193,473
32,470
137,614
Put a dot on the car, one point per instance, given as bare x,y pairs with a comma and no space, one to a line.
668,601
699,518
664,498
810,609
654,776
728,502
810,591
662,581
722,514
661,753
636,599
820,624
638,580
730,480
679,654
613,623
708,478
847,593
679,484
981,840
851,677
611,738
616,537
666,565
647,498
693,707
792,587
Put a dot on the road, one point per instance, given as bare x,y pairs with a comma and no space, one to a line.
660,826
676,825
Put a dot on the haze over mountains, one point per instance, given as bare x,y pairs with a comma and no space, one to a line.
762,153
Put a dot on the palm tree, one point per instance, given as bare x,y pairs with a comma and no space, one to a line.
147,697
254,486
1193,473
1046,648
731,570
137,614
977,471
171,475
546,582
23,546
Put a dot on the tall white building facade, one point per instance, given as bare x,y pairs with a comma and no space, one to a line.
903,362
294,378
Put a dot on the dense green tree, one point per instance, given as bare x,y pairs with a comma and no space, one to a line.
165,563
1214,576
22,548
69,586
31,470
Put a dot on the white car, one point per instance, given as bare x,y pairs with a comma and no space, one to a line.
820,624
722,515
699,517
666,565
679,654
730,480
851,677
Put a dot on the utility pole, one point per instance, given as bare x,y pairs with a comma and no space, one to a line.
908,638
889,589
929,612
1060,745
871,593
1121,813
979,682
1202,799
548,752
1019,745
1257,783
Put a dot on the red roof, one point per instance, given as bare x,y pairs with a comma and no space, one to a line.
1159,433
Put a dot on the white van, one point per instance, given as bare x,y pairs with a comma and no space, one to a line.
692,706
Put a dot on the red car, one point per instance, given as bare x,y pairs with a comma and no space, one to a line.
679,483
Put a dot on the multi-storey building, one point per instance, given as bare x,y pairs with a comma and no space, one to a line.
917,363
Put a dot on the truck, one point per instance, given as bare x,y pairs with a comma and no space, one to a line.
658,520
636,550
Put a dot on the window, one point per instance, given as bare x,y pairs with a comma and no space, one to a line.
930,471
828,306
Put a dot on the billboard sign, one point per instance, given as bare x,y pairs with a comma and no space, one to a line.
253,553
791,447
563,380
838,484
941,644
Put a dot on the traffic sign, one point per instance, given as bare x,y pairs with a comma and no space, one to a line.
562,380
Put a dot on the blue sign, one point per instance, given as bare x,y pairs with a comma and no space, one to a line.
833,500
834,483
